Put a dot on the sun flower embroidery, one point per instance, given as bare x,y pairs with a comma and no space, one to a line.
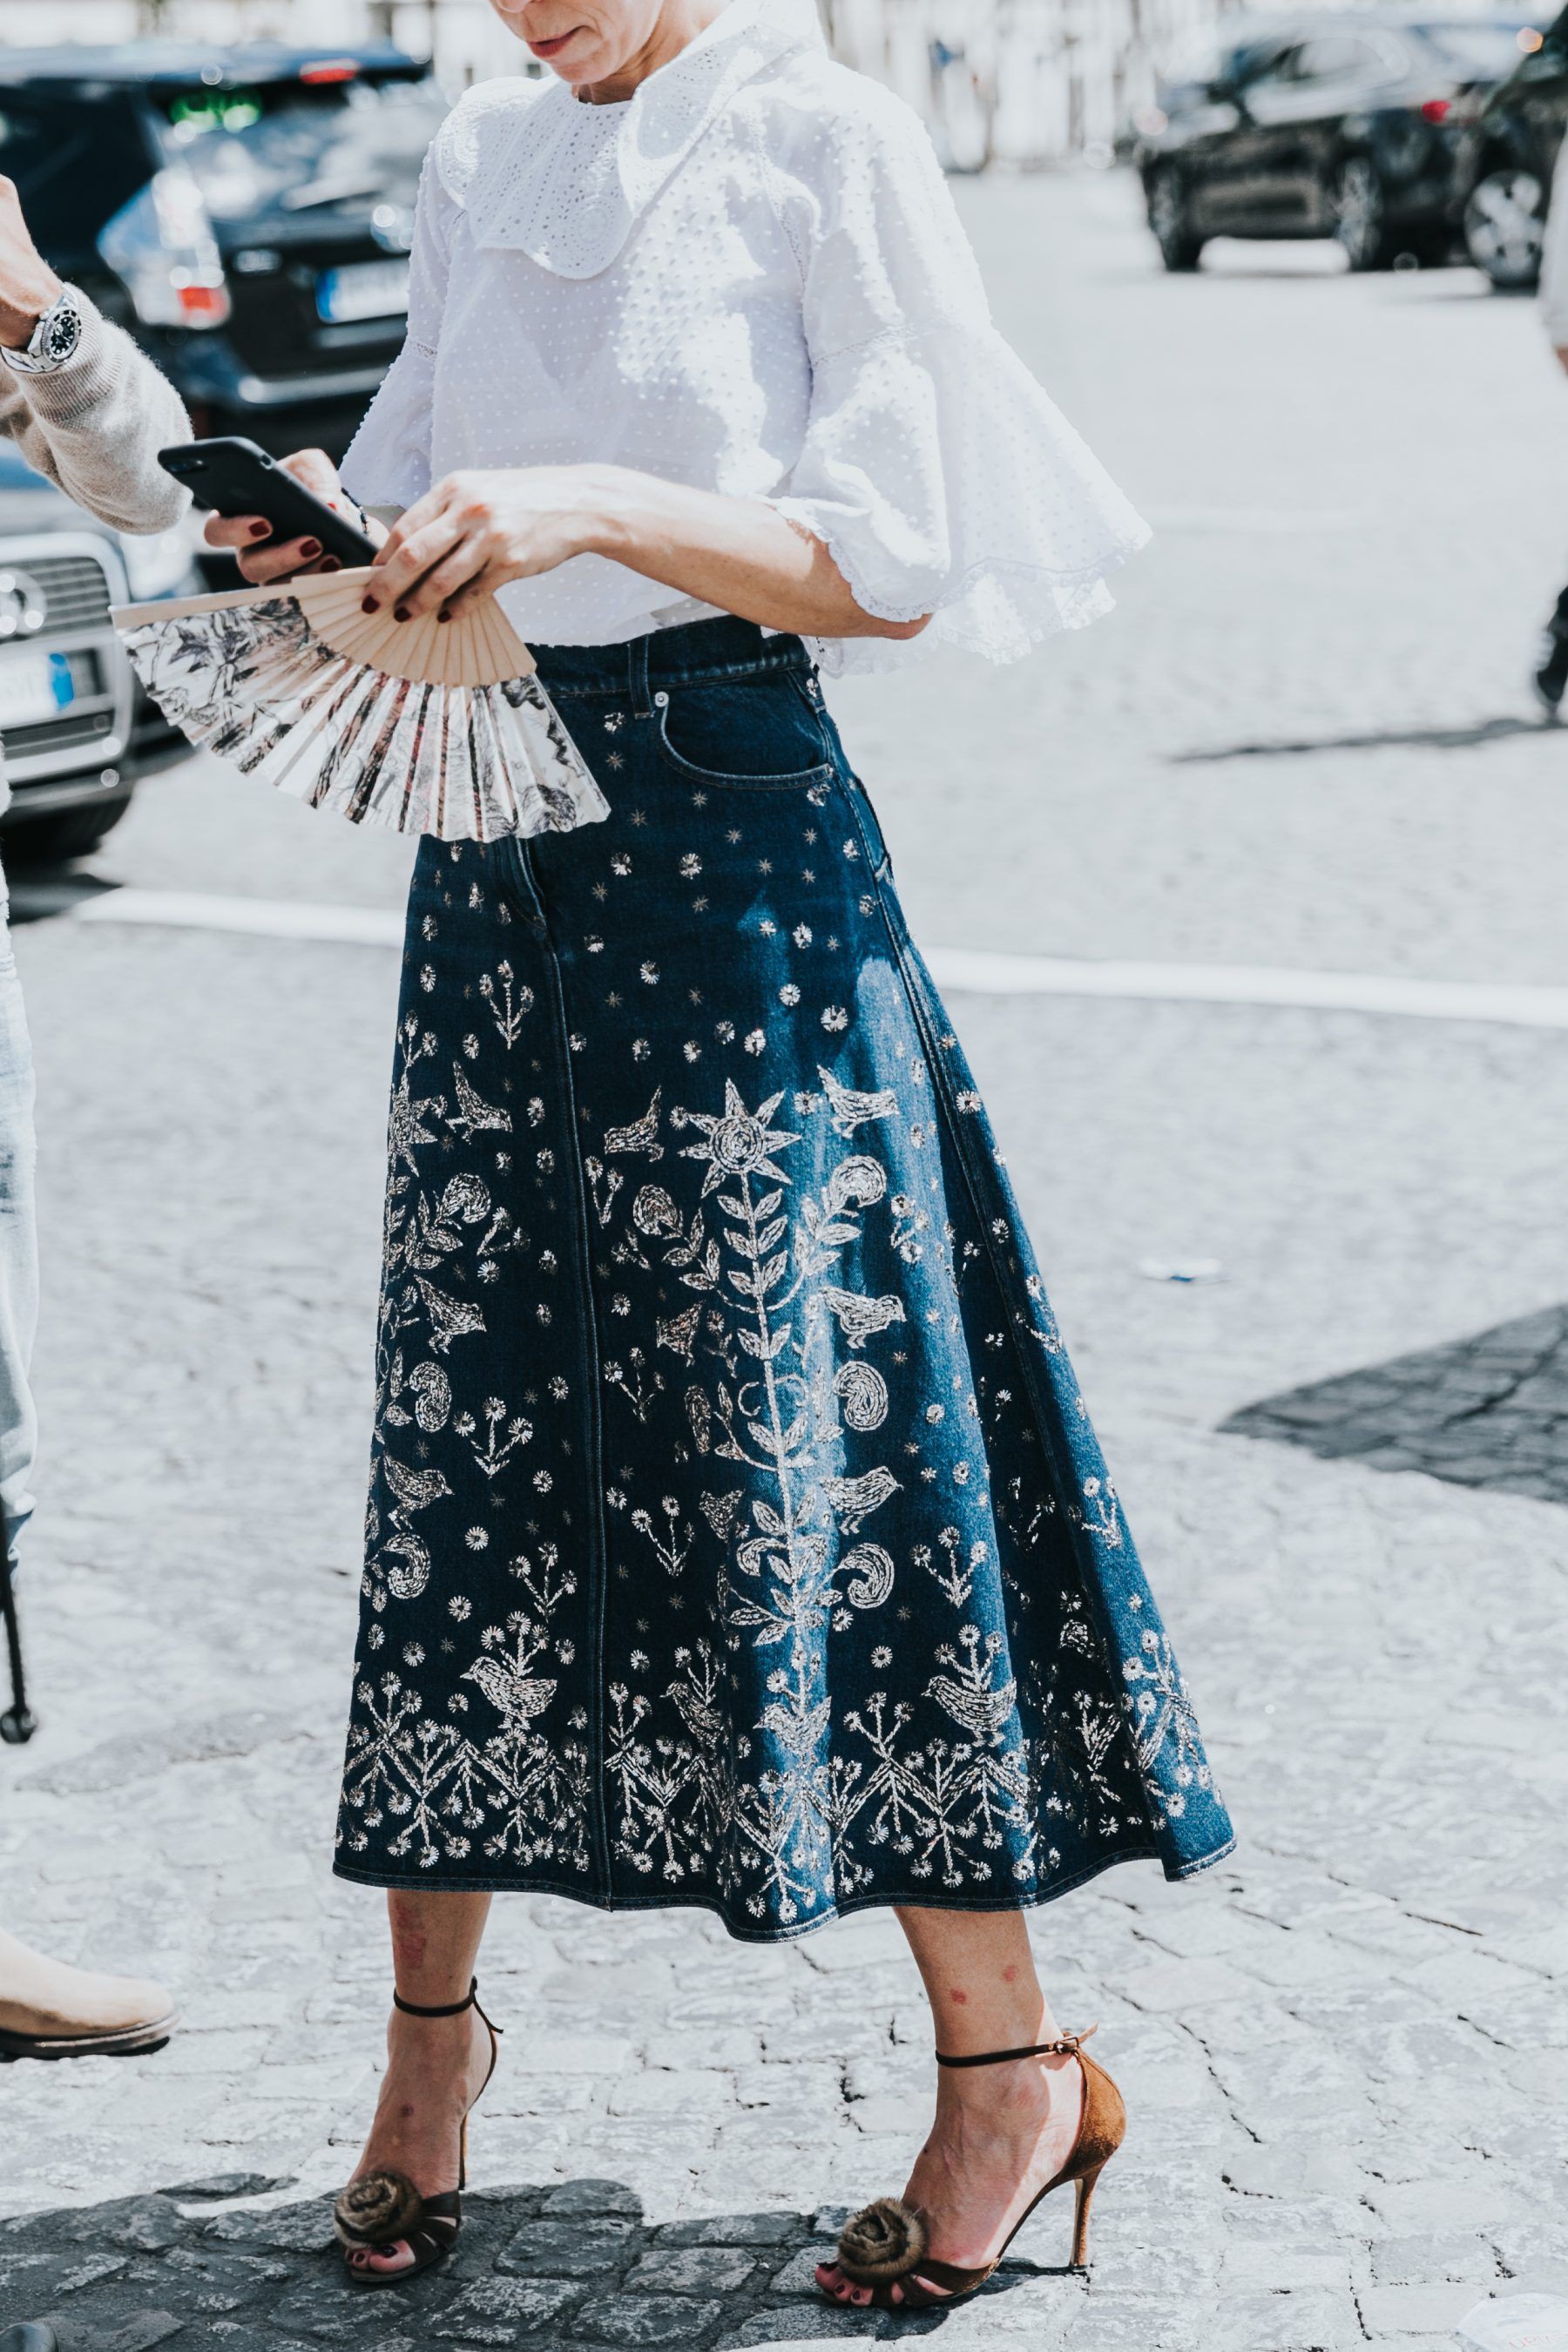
739,1143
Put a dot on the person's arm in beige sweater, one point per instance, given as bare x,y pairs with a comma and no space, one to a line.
96,425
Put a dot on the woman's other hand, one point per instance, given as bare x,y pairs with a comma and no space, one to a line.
250,537
474,531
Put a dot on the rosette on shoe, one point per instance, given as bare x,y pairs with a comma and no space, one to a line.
884,2240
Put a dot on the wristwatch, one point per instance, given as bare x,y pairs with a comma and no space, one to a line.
54,341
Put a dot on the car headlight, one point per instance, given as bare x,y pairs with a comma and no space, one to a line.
162,563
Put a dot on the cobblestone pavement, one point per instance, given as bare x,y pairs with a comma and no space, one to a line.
1490,1409
1345,2051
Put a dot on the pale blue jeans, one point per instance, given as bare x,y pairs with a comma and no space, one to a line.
18,1245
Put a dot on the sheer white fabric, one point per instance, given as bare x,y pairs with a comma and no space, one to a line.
750,278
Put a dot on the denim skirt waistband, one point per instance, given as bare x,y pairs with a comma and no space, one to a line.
696,652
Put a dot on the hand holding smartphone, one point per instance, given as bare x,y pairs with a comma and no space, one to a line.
235,479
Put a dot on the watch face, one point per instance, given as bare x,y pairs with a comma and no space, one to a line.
60,332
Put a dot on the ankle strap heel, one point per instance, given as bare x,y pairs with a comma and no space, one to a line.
884,2245
383,2210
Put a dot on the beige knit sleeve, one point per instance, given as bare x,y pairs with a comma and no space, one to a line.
95,427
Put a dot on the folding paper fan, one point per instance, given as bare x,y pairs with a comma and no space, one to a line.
416,726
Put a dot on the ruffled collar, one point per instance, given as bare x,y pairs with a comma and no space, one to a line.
566,183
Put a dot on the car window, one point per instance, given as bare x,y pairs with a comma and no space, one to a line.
1339,56
1483,52
73,160
300,145
1258,68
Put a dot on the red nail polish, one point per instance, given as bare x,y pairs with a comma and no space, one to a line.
370,605
332,564
309,547
261,531
400,613
443,616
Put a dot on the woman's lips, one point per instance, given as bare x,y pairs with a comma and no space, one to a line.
553,48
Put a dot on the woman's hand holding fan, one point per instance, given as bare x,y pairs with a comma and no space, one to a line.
306,679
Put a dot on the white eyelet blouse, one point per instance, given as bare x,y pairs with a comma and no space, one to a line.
750,278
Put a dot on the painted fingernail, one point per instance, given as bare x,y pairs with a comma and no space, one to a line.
332,564
370,605
443,616
400,612
261,531
309,547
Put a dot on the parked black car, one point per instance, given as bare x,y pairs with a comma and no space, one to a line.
1323,126
75,728
246,212
1508,154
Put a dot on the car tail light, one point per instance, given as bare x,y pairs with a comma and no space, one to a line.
1436,110
161,245
331,69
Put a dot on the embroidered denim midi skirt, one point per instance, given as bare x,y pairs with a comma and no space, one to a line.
737,1535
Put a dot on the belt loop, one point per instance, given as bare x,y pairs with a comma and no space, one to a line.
637,679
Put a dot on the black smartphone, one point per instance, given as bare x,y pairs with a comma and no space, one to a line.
230,476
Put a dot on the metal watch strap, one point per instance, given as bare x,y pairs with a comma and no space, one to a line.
54,341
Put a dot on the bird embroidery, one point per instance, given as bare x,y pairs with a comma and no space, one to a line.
855,1499
702,1718
680,1332
981,1712
850,1109
799,1732
412,1490
642,1135
518,1697
450,1318
860,1317
473,1112
718,1510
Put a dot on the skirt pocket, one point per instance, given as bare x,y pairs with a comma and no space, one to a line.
758,734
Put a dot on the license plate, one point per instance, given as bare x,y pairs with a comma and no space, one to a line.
362,289
35,687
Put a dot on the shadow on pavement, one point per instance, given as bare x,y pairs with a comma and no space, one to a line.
1489,1410
571,2265
1427,739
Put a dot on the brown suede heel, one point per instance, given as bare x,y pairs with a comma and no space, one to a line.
886,2241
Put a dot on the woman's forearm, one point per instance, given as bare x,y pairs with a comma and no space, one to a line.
739,554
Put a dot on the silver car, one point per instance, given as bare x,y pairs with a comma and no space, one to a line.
77,729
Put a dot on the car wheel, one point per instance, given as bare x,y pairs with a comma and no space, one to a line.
1504,226
1180,245
1357,210
69,833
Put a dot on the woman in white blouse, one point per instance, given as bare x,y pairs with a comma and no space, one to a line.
737,1535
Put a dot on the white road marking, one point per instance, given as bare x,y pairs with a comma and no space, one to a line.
198,911
979,970
969,970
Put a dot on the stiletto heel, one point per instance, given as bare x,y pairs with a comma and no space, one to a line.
886,2243
385,2210
1086,2188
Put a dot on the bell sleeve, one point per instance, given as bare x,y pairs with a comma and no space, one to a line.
387,463
940,477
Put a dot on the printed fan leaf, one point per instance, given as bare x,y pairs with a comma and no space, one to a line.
286,686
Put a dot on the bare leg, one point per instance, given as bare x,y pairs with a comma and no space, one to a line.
1000,2131
435,2065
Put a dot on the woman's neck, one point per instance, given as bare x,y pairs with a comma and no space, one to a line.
679,22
